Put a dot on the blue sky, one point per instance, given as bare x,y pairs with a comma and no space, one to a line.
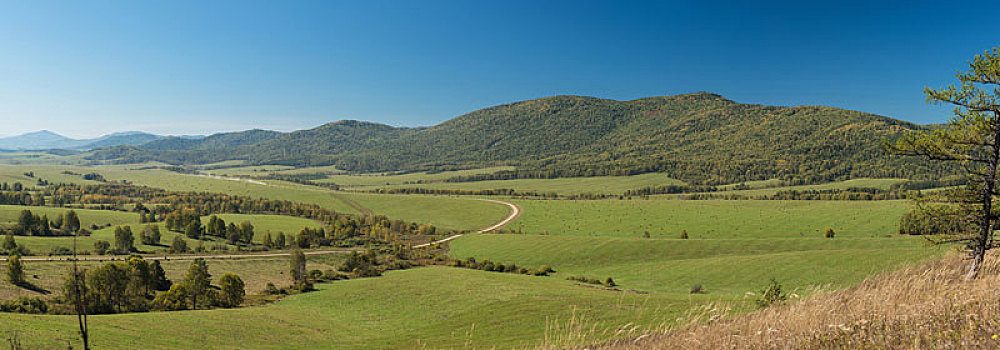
88,68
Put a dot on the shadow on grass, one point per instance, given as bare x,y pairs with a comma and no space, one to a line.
32,287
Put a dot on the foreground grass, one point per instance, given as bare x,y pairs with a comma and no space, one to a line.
429,307
924,307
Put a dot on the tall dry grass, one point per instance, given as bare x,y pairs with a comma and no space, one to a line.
924,307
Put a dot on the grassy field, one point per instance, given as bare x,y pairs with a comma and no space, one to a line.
769,187
459,213
421,308
565,186
710,219
730,267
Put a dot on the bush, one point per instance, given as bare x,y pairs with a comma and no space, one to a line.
828,233
771,295
270,289
697,289
684,234
610,282
101,247
60,251
25,305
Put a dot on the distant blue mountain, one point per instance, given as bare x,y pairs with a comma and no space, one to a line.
43,140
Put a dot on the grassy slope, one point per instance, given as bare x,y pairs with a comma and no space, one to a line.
710,219
767,187
736,246
502,311
728,267
445,212
571,185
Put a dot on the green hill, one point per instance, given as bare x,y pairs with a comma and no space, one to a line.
699,138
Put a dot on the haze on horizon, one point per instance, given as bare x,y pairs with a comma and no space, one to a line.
86,69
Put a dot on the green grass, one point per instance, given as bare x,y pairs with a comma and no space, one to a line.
710,218
423,308
367,180
729,267
565,186
759,188
459,213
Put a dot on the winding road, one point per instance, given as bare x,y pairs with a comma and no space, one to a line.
515,211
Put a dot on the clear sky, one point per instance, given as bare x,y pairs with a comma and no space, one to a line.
84,68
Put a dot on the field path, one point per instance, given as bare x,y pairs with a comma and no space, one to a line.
515,211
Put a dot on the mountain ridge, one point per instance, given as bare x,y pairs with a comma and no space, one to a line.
698,137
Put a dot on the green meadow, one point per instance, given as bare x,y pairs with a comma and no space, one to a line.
433,308
563,186
715,219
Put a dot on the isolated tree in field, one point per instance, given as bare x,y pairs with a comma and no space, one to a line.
297,269
193,230
124,240
279,242
9,244
71,222
197,282
828,232
150,235
101,247
971,138
232,290
268,242
179,245
684,234
15,270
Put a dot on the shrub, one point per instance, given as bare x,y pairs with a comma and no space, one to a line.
101,247
60,251
25,305
270,289
697,289
684,234
232,290
828,232
610,282
179,245
771,295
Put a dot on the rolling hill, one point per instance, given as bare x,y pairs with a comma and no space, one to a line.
699,138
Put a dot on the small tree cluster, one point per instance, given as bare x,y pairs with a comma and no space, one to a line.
487,265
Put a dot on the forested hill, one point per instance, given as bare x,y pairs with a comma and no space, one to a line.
701,138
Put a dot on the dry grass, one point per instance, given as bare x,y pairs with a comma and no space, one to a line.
924,307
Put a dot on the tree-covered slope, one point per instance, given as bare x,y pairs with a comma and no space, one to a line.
701,138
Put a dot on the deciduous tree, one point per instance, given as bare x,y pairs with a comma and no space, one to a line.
971,138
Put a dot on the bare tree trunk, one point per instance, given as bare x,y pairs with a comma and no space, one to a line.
986,219
81,310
